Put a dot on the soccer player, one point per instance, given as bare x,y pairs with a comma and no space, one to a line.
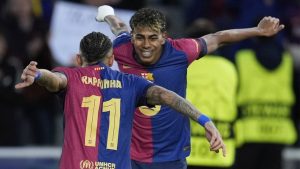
99,106
147,51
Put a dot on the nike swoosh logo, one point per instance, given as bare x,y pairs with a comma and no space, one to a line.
126,67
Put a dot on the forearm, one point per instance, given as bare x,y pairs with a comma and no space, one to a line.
116,25
236,35
159,95
221,38
268,26
51,81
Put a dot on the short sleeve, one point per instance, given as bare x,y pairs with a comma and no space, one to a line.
121,38
65,70
142,85
193,48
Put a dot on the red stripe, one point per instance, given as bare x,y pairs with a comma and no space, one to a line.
142,141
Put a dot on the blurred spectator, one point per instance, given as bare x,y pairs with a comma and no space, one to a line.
220,12
217,11
9,100
27,38
26,33
131,4
244,18
258,8
2,4
43,9
292,20
100,2
266,98
211,87
121,4
201,27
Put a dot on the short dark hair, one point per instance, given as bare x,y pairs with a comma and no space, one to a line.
148,17
94,46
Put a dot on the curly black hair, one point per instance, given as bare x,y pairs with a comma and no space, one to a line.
151,18
94,46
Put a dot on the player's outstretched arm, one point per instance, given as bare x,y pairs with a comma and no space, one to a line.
268,26
51,81
106,14
160,95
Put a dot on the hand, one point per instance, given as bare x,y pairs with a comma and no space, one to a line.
214,138
28,75
269,26
104,11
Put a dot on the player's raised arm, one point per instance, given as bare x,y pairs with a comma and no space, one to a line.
268,26
106,14
50,80
160,95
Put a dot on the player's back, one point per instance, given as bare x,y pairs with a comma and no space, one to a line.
98,110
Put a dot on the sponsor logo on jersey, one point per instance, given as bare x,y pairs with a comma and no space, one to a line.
87,164
126,67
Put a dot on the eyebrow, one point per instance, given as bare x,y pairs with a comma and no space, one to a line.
152,35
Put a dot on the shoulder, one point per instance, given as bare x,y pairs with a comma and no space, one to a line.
121,39
64,70
125,77
193,48
183,43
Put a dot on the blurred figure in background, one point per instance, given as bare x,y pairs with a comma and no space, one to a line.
243,18
10,99
121,4
218,11
43,9
211,87
27,38
292,18
265,100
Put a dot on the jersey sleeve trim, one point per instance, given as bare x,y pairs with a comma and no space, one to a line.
121,38
203,46
123,33
143,101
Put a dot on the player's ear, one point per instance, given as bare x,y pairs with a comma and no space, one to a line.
111,60
79,60
132,39
164,37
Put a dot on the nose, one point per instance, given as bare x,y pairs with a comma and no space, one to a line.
146,43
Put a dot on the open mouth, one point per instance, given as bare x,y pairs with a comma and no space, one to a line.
146,54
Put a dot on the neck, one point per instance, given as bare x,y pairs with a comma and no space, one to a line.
93,63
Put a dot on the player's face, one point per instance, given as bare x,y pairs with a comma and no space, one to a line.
148,44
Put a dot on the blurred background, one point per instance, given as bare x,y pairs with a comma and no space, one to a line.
49,31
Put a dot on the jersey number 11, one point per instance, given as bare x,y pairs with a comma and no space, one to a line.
113,107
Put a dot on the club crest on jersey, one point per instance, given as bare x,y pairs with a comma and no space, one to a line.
148,76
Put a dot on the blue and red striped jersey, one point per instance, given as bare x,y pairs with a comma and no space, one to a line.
160,133
99,106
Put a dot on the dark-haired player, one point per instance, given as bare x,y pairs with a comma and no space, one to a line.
99,106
